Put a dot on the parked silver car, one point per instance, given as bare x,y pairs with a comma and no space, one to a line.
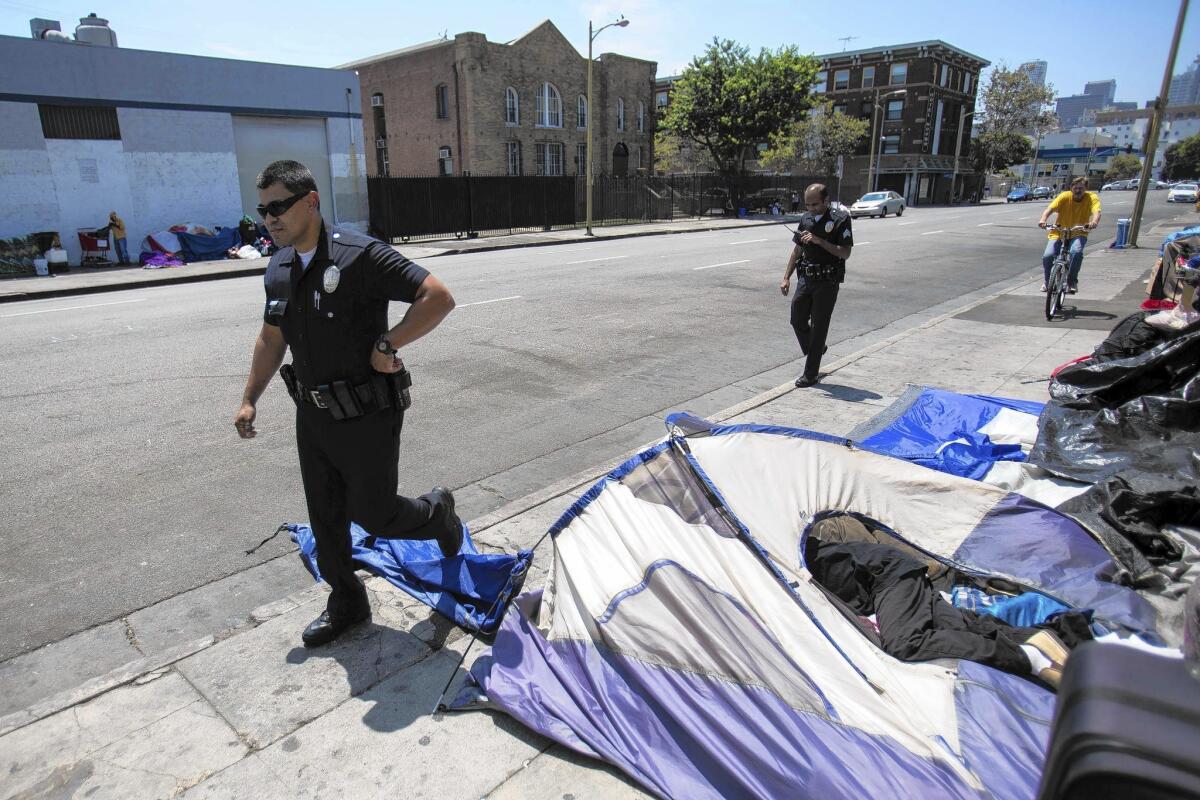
1182,193
878,204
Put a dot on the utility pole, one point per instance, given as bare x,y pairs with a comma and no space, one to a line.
1152,131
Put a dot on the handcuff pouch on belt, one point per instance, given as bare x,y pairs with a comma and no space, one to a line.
818,272
346,400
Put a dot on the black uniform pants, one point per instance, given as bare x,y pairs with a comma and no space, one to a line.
350,473
916,624
812,309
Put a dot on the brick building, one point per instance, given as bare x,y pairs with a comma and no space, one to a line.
920,90
465,104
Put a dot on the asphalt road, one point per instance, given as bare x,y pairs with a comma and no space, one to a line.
124,482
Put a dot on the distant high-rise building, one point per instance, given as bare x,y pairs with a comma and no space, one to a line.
1037,75
1185,86
1104,89
1036,70
1077,109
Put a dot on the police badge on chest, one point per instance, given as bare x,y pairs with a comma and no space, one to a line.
331,278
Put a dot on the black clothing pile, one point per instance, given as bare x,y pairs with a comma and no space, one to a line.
1127,421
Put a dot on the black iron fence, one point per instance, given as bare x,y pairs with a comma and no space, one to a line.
405,208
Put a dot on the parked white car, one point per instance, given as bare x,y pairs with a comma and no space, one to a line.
1182,193
878,204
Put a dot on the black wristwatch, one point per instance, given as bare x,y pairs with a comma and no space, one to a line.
384,346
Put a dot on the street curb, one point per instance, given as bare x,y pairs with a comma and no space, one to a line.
99,685
490,248
173,278
200,277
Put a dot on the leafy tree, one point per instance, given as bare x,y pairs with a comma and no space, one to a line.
673,153
813,144
998,151
1182,159
1010,102
1011,105
727,101
1123,166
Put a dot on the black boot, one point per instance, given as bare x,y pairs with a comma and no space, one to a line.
444,524
326,628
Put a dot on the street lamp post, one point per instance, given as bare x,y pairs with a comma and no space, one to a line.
872,173
962,118
620,23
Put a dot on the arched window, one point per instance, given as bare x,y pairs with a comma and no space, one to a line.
641,121
549,107
512,107
620,113
582,109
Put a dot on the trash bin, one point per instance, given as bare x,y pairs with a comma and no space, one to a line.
1122,239
741,212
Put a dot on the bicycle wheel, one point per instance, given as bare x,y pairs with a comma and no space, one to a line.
1055,288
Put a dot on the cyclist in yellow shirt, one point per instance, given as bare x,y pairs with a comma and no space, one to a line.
1076,207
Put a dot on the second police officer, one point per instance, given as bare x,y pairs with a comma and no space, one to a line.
823,240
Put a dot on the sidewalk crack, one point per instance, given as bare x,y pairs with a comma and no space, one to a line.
131,636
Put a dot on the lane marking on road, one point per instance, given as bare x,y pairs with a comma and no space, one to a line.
750,241
931,233
860,244
1021,218
72,308
725,264
485,302
906,223
984,224
590,260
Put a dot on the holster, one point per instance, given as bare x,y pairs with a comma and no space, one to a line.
289,380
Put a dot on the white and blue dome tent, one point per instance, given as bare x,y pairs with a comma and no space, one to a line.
681,638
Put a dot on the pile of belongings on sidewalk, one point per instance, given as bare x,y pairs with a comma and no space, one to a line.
187,243
760,611
1164,290
17,254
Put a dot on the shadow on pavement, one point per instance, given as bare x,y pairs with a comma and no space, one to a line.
849,394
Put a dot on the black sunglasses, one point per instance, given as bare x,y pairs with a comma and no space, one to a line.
277,208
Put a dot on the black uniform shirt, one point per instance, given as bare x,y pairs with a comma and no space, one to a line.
332,331
834,227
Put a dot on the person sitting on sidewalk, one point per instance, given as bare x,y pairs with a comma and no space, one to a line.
1076,207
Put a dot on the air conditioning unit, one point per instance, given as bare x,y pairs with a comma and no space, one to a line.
380,143
377,100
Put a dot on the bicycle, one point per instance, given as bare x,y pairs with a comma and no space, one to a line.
1056,284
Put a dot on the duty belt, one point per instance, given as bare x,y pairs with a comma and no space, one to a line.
818,272
346,400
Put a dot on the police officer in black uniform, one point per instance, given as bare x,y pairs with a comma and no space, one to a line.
327,299
823,241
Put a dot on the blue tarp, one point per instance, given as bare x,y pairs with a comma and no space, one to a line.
940,430
472,589
208,248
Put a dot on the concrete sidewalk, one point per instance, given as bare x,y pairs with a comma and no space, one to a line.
210,694
90,280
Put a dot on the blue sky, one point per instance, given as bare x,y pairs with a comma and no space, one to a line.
1082,40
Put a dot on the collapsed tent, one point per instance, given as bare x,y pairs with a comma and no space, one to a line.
681,637
473,588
